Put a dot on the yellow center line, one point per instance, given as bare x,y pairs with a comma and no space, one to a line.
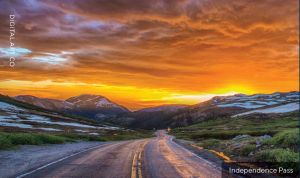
140,165
136,169
133,168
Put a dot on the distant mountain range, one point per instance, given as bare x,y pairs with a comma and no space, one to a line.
91,106
102,109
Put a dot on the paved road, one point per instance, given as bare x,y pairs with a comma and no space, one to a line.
166,159
159,157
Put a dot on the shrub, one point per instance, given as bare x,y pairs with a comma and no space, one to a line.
83,137
8,140
277,155
51,139
5,142
23,138
209,143
286,139
280,157
247,149
229,134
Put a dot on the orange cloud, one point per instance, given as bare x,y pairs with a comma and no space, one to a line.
148,53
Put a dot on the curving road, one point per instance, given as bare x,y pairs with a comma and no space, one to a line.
166,159
159,157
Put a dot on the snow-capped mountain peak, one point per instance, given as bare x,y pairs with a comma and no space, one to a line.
103,102
84,98
93,101
86,105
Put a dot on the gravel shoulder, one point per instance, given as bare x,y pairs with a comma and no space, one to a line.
203,153
28,157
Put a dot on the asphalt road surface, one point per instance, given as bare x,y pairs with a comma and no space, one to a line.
158,157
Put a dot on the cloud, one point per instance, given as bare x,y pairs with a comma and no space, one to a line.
187,45
16,52
49,58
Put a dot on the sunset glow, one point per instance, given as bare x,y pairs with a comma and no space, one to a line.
142,53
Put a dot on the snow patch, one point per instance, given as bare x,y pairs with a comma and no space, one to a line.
105,103
14,121
278,109
19,125
9,107
248,105
48,129
83,131
93,133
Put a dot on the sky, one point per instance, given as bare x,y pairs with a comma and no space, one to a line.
142,53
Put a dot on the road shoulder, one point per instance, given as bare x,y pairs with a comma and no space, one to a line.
203,153
29,157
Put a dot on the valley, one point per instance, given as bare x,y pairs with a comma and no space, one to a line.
206,136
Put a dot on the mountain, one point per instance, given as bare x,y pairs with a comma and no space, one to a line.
95,106
148,118
238,105
256,101
92,106
163,108
19,116
50,104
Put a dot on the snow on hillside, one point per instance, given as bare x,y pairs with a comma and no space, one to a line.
256,101
277,109
103,102
13,116
94,101
248,105
9,107
87,105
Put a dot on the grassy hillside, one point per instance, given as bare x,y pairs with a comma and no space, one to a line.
227,127
9,140
265,138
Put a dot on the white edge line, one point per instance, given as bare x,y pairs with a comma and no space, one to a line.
61,159
208,162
